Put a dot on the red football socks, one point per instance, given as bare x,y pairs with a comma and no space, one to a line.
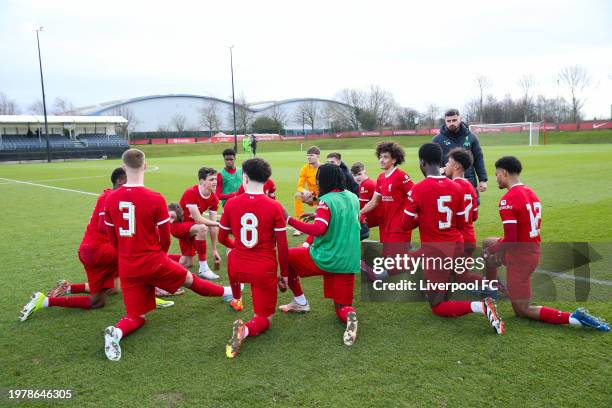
77,288
205,288
342,312
200,246
257,325
79,302
452,308
128,324
553,316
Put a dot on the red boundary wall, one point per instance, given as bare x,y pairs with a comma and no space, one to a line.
586,125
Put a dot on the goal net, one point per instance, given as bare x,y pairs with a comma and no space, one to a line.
508,133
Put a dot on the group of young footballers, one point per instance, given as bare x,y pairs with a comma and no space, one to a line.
128,237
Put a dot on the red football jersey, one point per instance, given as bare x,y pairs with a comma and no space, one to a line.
253,219
470,201
269,189
437,202
135,212
521,206
393,189
93,237
193,197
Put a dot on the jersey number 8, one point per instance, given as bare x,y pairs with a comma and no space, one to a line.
248,230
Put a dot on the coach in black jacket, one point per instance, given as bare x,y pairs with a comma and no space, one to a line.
455,133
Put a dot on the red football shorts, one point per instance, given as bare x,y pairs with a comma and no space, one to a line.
519,267
373,220
336,286
100,264
139,291
182,231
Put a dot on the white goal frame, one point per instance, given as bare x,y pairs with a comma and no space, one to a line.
532,127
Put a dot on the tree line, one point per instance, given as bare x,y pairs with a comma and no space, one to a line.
373,108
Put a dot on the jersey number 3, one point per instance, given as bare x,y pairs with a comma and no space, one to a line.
248,230
129,216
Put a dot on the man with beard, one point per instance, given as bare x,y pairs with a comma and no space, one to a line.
455,133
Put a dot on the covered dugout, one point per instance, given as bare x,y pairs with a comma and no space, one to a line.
22,137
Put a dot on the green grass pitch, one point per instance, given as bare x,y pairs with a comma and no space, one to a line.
404,355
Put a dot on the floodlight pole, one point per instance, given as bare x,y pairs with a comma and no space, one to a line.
42,85
233,99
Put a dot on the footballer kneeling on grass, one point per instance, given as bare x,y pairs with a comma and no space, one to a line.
436,206
334,253
520,210
257,223
138,226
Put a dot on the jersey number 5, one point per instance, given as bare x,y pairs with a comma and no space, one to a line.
129,216
535,216
248,230
442,208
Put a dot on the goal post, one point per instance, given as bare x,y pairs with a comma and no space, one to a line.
509,133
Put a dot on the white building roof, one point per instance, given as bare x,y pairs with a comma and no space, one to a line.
29,119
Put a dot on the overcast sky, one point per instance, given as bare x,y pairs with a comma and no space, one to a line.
423,52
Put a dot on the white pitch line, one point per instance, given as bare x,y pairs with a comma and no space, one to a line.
57,179
575,278
51,187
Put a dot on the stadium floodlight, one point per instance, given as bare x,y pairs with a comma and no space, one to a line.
233,100
518,133
39,28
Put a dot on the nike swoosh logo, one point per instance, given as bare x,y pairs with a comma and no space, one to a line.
598,125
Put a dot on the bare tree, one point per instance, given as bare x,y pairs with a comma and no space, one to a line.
209,116
526,83
431,116
576,78
308,113
62,107
380,103
278,114
483,83
347,115
128,115
244,116
179,122
8,106
36,107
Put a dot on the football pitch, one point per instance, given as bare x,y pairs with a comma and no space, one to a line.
404,355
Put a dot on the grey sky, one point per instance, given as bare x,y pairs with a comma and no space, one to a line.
423,52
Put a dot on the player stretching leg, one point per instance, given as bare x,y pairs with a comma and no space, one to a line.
436,205
521,214
191,232
258,223
99,259
334,253
137,222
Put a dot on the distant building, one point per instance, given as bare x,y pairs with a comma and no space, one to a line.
161,112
